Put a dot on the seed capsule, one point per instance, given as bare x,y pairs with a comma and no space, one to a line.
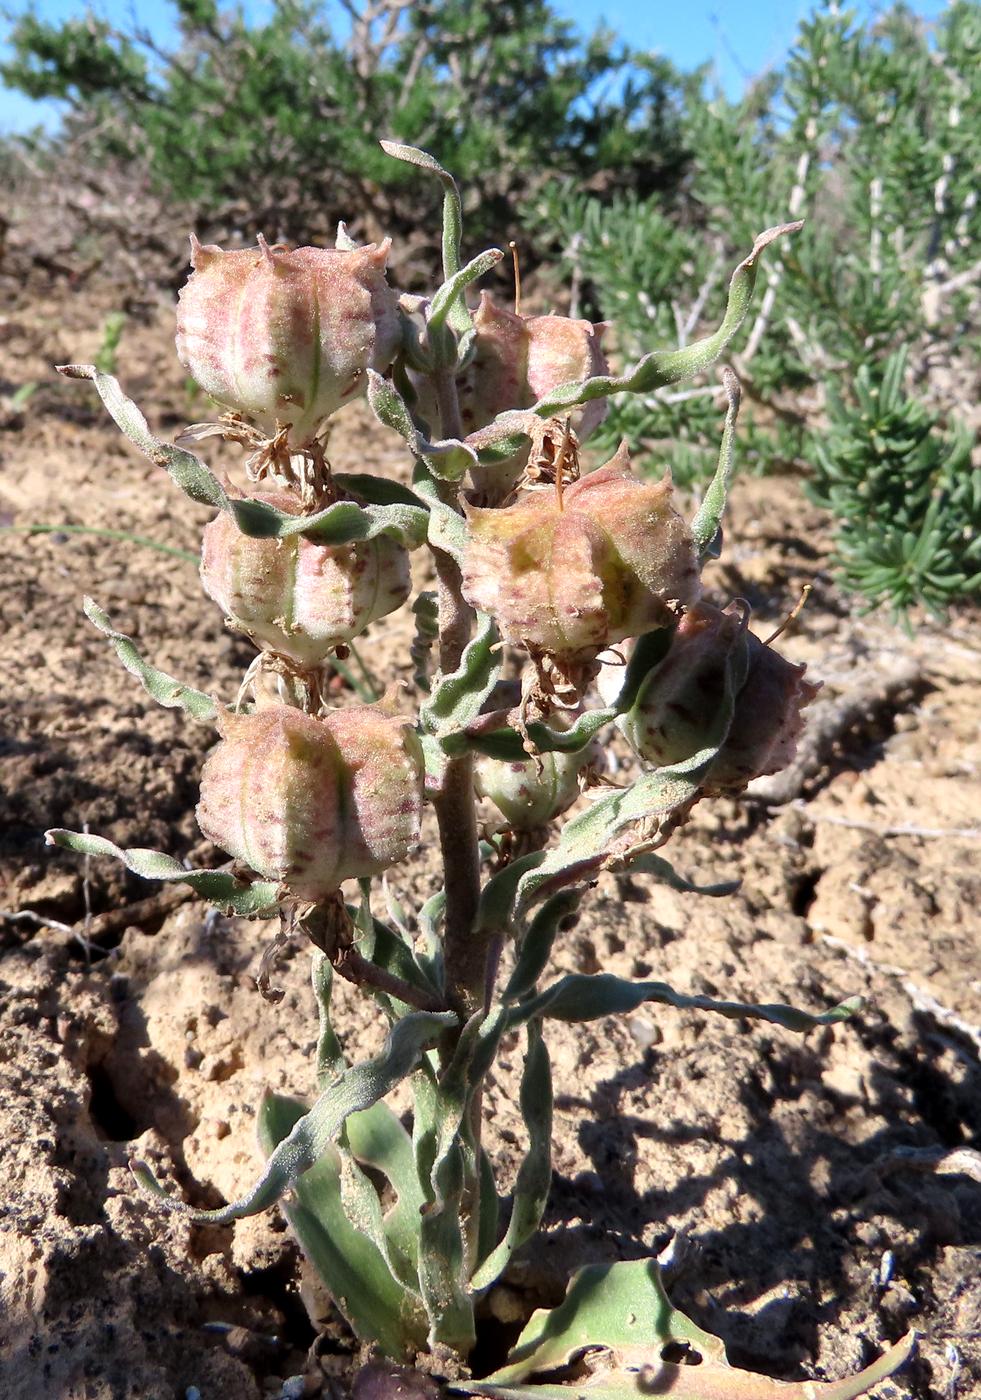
566,575
532,793
285,336
313,802
516,361
298,598
675,710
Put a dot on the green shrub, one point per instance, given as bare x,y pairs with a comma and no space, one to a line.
275,122
868,132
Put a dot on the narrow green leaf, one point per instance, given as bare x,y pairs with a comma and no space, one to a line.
508,744
536,946
447,529
341,523
453,288
375,1304
158,684
456,699
596,837
331,1060
535,1173
357,1088
459,317
377,1138
496,909
230,895
708,519
448,459
587,997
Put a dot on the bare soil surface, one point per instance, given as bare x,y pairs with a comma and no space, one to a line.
823,1193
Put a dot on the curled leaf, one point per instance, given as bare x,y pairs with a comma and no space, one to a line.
219,887
357,1088
163,688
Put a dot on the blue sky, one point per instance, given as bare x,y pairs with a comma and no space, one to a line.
741,37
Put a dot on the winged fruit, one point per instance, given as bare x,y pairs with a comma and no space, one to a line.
313,802
295,597
285,336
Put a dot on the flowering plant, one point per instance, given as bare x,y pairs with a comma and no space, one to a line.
556,574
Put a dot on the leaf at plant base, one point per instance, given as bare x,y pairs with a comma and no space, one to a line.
357,1088
587,997
490,1209
377,1139
618,1320
342,523
456,699
440,1109
535,1173
222,889
158,684
376,1305
448,459
708,518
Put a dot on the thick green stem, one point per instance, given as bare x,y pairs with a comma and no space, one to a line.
456,812
465,955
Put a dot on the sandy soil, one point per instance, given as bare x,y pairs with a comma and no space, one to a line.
825,1186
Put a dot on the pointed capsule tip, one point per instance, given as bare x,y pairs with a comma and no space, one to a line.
202,253
267,252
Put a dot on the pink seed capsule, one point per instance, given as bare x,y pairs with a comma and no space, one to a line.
567,575
516,361
295,597
675,710
313,802
285,336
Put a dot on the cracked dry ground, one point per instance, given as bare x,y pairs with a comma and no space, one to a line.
825,1186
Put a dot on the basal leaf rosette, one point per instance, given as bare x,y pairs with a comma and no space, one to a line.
314,802
672,716
295,597
516,361
567,573
285,336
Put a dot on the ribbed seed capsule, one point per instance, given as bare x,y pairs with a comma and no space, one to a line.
298,598
675,711
516,361
567,575
285,336
313,802
531,793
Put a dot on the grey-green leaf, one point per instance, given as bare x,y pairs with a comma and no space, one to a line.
585,997
158,684
357,1088
456,699
341,523
618,1320
231,896
708,519
535,1173
376,1305
448,459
